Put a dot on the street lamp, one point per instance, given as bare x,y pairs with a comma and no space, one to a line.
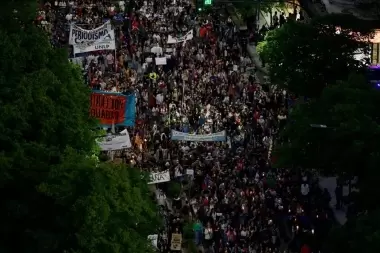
318,126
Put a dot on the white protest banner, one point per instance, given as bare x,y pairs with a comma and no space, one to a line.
153,239
190,172
159,177
188,36
113,142
180,136
161,61
100,38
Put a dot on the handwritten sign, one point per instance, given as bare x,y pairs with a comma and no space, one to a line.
176,242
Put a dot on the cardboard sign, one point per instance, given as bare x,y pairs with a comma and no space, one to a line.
176,242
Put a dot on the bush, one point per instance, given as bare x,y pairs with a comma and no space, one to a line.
174,189
192,248
188,232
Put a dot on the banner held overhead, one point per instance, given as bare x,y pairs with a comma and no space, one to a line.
100,38
112,142
113,108
180,136
173,40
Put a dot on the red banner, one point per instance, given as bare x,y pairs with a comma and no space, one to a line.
108,108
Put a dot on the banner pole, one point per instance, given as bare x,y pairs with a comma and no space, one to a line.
183,94
115,61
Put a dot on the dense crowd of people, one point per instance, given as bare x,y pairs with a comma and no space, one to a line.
207,84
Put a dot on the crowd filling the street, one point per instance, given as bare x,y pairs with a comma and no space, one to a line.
181,99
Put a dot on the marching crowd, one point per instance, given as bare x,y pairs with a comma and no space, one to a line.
201,83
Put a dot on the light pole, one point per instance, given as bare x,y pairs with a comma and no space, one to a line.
258,11
259,5
318,126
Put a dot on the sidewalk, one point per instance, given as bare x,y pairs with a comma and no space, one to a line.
251,49
330,183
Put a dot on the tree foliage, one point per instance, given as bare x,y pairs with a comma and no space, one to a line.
349,109
337,129
371,7
107,208
53,197
360,234
249,8
305,57
347,146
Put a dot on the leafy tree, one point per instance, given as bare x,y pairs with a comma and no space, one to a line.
107,208
249,8
305,57
361,233
349,110
53,196
369,7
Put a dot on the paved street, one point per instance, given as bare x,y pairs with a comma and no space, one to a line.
330,183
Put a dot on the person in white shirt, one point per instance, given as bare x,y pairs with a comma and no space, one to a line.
208,233
159,98
69,17
305,189
122,5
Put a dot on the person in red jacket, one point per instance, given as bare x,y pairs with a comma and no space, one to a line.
305,249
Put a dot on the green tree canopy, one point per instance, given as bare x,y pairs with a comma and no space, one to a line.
305,57
106,208
349,109
53,197
359,234
249,8
347,146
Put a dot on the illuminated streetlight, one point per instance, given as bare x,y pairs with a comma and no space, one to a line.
318,126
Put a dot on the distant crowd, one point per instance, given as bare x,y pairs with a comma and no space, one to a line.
191,75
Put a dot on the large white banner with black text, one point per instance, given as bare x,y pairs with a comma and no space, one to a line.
180,136
173,40
100,38
159,177
112,142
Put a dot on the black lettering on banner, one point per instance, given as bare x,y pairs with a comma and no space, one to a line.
81,36
107,102
102,47
158,177
104,114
